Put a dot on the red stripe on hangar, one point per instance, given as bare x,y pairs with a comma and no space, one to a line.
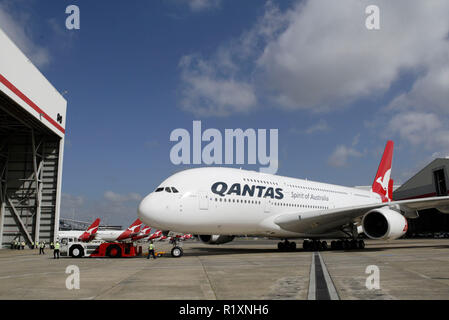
28,101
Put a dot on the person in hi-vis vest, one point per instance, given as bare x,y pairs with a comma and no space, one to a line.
56,250
151,250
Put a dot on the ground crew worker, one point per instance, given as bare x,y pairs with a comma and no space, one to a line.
51,245
37,244
32,244
41,248
23,245
56,250
151,250
18,245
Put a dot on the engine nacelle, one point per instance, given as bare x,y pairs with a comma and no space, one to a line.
216,239
384,224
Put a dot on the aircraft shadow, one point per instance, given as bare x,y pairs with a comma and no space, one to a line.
200,251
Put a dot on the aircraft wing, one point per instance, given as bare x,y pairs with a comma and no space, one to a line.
321,221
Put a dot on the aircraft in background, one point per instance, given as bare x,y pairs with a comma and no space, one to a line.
120,235
92,233
144,233
159,236
220,203
84,236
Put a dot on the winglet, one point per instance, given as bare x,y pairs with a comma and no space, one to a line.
89,234
382,180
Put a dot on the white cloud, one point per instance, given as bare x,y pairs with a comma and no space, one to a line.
321,126
319,56
422,129
71,201
326,57
116,197
339,158
201,5
207,93
16,26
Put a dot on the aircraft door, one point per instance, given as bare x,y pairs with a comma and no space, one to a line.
267,206
203,200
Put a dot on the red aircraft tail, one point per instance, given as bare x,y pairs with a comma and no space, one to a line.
143,234
155,235
89,234
381,184
132,230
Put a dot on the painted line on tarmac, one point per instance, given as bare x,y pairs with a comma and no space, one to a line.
321,286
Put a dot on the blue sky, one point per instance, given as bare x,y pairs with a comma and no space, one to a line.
136,70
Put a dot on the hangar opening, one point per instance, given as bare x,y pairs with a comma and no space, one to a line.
431,181
32,129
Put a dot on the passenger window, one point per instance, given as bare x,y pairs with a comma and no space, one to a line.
168,189
174,190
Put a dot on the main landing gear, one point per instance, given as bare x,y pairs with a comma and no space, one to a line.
287,246
348,244
317,245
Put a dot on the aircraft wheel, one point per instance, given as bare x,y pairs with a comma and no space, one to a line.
306,245
346,245
292,246
177,252
324,245
361,244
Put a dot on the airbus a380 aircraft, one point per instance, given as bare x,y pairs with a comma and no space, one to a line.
220,203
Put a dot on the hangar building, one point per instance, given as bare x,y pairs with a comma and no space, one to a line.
32,129
431,181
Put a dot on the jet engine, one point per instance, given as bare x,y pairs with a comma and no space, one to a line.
216,239
384,224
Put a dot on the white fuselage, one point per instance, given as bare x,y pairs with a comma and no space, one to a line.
239,202
104,235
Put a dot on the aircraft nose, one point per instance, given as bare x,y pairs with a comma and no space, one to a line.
151,211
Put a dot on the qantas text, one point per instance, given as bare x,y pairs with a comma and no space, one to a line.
221,188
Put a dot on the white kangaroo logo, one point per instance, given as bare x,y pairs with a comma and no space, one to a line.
132,229
91,230
386,179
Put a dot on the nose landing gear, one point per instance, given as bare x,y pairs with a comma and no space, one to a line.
176,251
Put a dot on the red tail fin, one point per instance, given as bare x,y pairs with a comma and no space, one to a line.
382,179
131,231
143,234
156,235
89,234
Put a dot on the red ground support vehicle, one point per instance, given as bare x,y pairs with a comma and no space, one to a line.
76,249
116,250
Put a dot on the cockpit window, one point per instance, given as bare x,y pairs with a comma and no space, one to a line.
167,189
159,189
174,190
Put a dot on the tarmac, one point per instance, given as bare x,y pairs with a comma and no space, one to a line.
242,269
